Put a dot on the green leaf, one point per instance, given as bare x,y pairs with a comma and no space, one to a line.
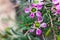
24,38
48,32
58,37
7,31
25,28
46,18
36,38
57,23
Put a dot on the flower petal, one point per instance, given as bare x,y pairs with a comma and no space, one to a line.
33,5
53,9
55,13
40,19
32,15
58,7
38,32
43,25
38,14
39,7
31,30
27,10
55,1
58,12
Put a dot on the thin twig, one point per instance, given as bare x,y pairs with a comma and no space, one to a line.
52,27
26,33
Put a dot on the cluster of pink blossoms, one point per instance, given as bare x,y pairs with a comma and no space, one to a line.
33,11
57,6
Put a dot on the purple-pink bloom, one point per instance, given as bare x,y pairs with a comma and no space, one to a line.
34,9
39,6
38,32
39,23
58,9
33,5
55,13
53,9
58,12
40,19
55,2
27,10
43,25
32,15
38,14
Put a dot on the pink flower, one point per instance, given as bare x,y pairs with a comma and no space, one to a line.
38,32
33,9
40,19
58,12
58,9
27,10
38,14
55,1
53,9
39,24
39,6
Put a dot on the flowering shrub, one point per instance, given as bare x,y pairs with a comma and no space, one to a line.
37,20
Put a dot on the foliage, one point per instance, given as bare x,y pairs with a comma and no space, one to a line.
24,23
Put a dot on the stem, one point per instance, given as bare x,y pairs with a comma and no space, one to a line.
52,26
29,37
26,33
43,37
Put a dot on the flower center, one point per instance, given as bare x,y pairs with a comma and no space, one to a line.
33,9
37,24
